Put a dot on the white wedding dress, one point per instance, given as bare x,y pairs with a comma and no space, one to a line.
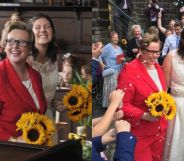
174,146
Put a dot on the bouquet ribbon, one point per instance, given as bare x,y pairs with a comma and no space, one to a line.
77,137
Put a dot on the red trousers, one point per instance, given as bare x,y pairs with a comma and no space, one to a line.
150,148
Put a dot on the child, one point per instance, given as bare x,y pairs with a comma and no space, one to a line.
86,72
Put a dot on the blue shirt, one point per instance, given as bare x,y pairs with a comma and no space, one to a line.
171,42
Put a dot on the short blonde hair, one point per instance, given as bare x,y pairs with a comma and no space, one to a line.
21,26
147,39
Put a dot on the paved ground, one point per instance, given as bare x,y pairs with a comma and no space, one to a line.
97,108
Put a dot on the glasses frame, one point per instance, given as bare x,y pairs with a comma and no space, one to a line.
152,52
20,42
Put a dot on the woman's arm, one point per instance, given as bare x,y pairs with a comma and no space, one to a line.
102,127
96,121
159,23
167,68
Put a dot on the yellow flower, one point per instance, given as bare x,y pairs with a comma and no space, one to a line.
151,99
161,104
158,109
171,113
34,135
47,124
27,120
89,86
76,115
124,42
81,91
72,101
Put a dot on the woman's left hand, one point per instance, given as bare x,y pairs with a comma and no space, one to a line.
20,139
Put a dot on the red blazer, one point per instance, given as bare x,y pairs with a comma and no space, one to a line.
138,85
15,98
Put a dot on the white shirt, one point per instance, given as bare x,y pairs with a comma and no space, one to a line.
125,6
28,85
154,75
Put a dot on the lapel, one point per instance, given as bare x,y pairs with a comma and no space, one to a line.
147,79
19,89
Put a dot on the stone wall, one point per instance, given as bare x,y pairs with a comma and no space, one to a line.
170,12
102,18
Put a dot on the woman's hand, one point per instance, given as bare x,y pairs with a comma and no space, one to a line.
116,98
122,126
20,139
118,115
148,117
109,137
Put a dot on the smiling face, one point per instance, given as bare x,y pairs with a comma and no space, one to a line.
137,33
151,53
43,31
17,52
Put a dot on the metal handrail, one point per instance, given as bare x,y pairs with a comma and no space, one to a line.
112,3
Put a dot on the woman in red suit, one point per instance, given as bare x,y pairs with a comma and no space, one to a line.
139,79
20,85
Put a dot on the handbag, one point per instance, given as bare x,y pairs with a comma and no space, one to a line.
107,72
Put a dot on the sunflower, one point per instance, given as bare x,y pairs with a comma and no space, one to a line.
161,104
72,101
27,119
81,91
47,124
171,113
124,42
34,135
158,109
89,86
151,99
76,115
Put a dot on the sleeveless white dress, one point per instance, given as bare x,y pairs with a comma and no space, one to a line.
174,146
49,73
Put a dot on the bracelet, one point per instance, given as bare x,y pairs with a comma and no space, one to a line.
12,139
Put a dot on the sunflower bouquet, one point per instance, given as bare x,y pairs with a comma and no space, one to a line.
161,104
78,102
36,128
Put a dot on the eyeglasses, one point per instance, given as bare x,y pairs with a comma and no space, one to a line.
152,52
22,43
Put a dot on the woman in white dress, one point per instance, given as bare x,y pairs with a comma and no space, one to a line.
174,73
44,59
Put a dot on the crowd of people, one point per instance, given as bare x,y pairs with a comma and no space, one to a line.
154,63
